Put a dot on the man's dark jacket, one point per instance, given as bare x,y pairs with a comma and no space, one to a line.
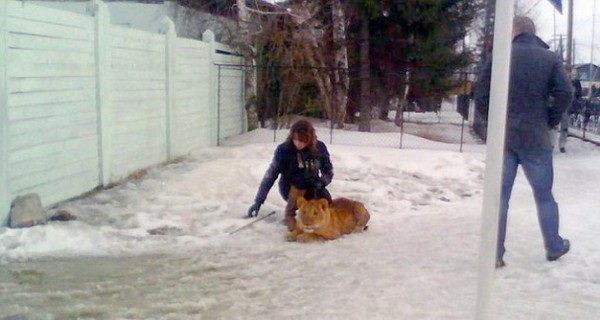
301,169
536,75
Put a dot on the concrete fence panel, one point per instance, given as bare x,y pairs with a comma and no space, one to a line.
84,103
192,104
230,88
52,140
138,100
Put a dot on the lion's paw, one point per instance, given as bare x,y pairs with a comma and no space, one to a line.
291,237
308,237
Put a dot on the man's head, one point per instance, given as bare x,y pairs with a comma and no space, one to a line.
522,24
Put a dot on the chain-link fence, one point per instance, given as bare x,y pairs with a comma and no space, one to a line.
584,121
416,130
398,109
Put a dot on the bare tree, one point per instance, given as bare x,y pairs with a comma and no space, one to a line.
312,49
365,69
341,76
250,76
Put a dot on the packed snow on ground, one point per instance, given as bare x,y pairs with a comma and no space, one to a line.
161,247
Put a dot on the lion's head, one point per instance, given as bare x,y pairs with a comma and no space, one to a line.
318,220
312,215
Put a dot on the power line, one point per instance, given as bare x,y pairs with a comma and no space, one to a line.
532,7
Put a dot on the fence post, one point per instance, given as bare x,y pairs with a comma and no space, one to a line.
99,10
4,198
168,29
209,36
244,113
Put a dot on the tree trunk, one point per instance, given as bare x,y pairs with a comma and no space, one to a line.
403,102
315,58
365,110
341,76
250,75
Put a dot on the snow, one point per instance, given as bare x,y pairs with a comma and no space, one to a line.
161,247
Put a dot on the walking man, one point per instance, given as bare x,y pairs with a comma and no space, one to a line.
536,74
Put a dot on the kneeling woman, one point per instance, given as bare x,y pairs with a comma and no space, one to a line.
305,168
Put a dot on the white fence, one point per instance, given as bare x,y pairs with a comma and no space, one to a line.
85,103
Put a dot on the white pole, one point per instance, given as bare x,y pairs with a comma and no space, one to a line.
569,36
494,155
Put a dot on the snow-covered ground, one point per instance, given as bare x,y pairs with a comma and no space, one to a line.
161,247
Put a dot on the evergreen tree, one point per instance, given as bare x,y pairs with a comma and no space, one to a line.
416,44
392,45
433,34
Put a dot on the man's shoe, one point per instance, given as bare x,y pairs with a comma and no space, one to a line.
500,264
566,247
562,150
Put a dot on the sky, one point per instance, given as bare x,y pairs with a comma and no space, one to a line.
550,22
166,247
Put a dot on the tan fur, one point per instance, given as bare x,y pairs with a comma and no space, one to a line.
316,220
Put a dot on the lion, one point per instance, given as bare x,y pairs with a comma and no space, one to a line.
317,220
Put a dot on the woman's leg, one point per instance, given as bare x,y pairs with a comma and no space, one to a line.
290,208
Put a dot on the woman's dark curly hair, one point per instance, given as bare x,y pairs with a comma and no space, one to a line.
304,131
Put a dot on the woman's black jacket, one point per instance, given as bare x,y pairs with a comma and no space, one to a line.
300,168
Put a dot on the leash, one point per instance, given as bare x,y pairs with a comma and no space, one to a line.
251,223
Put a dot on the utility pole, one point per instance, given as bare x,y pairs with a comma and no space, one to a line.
561,48
573,53
591,76
558,45
570,35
